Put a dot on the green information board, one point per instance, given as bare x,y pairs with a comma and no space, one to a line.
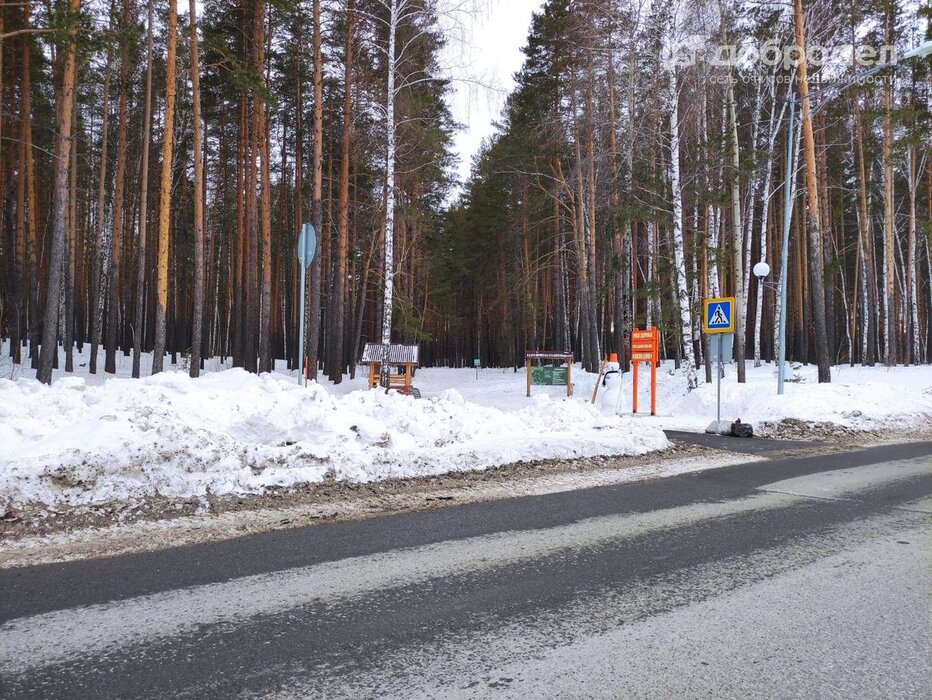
549,376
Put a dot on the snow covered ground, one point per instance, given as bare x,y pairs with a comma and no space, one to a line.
90,438
95,438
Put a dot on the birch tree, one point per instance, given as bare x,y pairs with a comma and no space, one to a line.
676,191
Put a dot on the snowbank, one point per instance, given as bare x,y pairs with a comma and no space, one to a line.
860,398
93,438
232,432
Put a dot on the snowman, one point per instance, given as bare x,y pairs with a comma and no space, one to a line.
610,391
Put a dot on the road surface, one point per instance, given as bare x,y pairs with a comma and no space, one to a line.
805,577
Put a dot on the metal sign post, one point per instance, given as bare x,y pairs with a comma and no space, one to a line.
721,346
718,390
477,363
718,319
307,246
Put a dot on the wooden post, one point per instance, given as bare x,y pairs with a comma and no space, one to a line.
569,377
598,380
407,377
529,376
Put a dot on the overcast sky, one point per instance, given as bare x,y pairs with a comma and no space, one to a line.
484,54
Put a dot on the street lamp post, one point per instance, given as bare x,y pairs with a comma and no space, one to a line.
762,269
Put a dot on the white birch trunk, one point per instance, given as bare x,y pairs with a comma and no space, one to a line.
696,294
649,321
682,287
791,184
712,219
765,212
751,195
928,269
389,194
865,298
737,233
912,168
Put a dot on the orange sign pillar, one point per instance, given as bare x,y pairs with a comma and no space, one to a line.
645,347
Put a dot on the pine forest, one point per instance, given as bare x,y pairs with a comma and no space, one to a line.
159,159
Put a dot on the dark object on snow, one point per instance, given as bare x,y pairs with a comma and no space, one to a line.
410,391
742,430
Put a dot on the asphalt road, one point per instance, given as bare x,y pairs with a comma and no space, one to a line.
782,578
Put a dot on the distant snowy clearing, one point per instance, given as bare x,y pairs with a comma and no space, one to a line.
94,438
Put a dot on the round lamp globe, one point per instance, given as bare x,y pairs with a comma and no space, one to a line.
761,269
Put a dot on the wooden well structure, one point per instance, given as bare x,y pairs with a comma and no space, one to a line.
402,359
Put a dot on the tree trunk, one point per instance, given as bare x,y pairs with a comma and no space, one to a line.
63,123
682,285
32,202
890,349
389,279
265,202
313,335
866,245
738,231
238,251
99,279
251,221
143,203
595,351
816,263
161,308
338,298
67,307
915,355
363,286
198,315
116,236
775,122
23,251
31,280
299,352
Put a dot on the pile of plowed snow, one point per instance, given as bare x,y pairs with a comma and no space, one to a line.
233,432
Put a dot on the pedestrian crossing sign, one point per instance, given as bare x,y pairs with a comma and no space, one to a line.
718,315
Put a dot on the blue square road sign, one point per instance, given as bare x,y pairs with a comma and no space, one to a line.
718,315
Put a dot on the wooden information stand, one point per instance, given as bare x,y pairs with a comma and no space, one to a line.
555,375
645,347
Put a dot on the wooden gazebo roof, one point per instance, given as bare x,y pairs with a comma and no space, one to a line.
397,354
